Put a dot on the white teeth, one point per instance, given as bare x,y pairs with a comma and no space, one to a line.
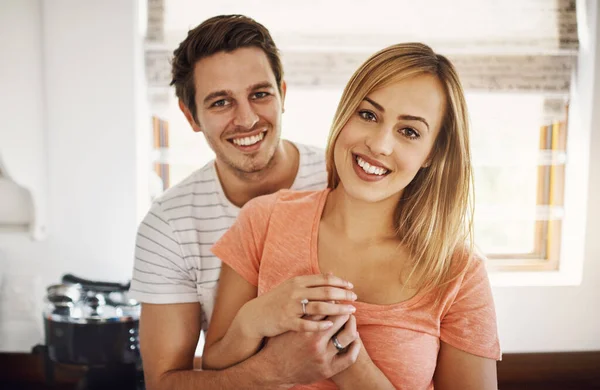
370,169
247,141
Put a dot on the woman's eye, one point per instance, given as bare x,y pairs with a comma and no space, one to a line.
410,133
367,115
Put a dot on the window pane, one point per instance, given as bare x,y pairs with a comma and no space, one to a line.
505,131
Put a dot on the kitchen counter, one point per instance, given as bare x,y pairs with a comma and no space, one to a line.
27,371
531,371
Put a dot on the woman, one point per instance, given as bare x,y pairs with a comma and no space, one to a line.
394,221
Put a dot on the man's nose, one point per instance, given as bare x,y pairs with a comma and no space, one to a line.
245,116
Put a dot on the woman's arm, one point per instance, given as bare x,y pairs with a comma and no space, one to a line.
229,339
457,369
241,320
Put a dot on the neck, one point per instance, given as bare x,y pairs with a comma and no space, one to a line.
359,221
240,187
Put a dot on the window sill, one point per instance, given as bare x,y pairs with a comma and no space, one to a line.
563,277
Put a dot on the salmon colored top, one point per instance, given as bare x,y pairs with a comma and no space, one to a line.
275,238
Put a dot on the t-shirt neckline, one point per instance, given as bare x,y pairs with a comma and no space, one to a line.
314,262
235,210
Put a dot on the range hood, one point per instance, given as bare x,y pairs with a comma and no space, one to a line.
16,205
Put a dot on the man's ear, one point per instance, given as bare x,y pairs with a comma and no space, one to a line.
283,90
190,118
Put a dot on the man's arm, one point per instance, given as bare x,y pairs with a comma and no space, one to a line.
168,337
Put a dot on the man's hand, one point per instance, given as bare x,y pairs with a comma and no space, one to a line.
308,357
363,373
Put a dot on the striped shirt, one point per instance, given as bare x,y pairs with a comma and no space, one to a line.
173,262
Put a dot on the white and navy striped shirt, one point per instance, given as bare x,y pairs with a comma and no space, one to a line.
173,261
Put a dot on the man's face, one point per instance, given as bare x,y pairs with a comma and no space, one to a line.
238,108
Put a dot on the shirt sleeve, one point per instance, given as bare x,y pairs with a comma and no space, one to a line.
470,322
160,274
242,245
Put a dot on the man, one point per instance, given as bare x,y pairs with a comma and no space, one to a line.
229,80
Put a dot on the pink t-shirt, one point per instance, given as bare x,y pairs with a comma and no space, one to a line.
275,238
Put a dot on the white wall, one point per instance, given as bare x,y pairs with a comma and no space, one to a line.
22,101
83,94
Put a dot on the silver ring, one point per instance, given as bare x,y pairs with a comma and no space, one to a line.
336,344
304,302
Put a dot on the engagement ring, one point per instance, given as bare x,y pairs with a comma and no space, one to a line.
304,302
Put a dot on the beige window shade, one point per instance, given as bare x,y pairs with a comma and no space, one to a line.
478,72
155,24
510,45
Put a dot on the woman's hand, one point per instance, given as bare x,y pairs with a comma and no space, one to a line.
281,309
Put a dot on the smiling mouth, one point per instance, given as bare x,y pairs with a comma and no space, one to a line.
248,140
369,168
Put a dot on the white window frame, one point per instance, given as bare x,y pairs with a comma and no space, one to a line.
584,96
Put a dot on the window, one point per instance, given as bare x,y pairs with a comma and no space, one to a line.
515,59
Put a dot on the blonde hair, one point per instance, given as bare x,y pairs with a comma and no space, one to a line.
433,216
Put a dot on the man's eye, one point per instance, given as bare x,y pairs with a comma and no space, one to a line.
260,95
219,103
367,115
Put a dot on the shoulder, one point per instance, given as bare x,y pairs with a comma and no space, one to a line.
189,206
310,150
312,170
467,274
466,266
283,199
469,262
311,157
282,207
198,191
200,182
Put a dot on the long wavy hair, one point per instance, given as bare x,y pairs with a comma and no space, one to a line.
433,218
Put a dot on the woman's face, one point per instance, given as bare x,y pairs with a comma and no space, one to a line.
389,138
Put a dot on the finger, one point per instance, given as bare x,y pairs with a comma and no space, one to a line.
304,325
328,309
344,360
323,280
318,317
346,335
313,318
328,294
338,322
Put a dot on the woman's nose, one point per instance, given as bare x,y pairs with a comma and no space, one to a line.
381,142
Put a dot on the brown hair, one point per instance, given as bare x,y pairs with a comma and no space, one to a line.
433,217
220,33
